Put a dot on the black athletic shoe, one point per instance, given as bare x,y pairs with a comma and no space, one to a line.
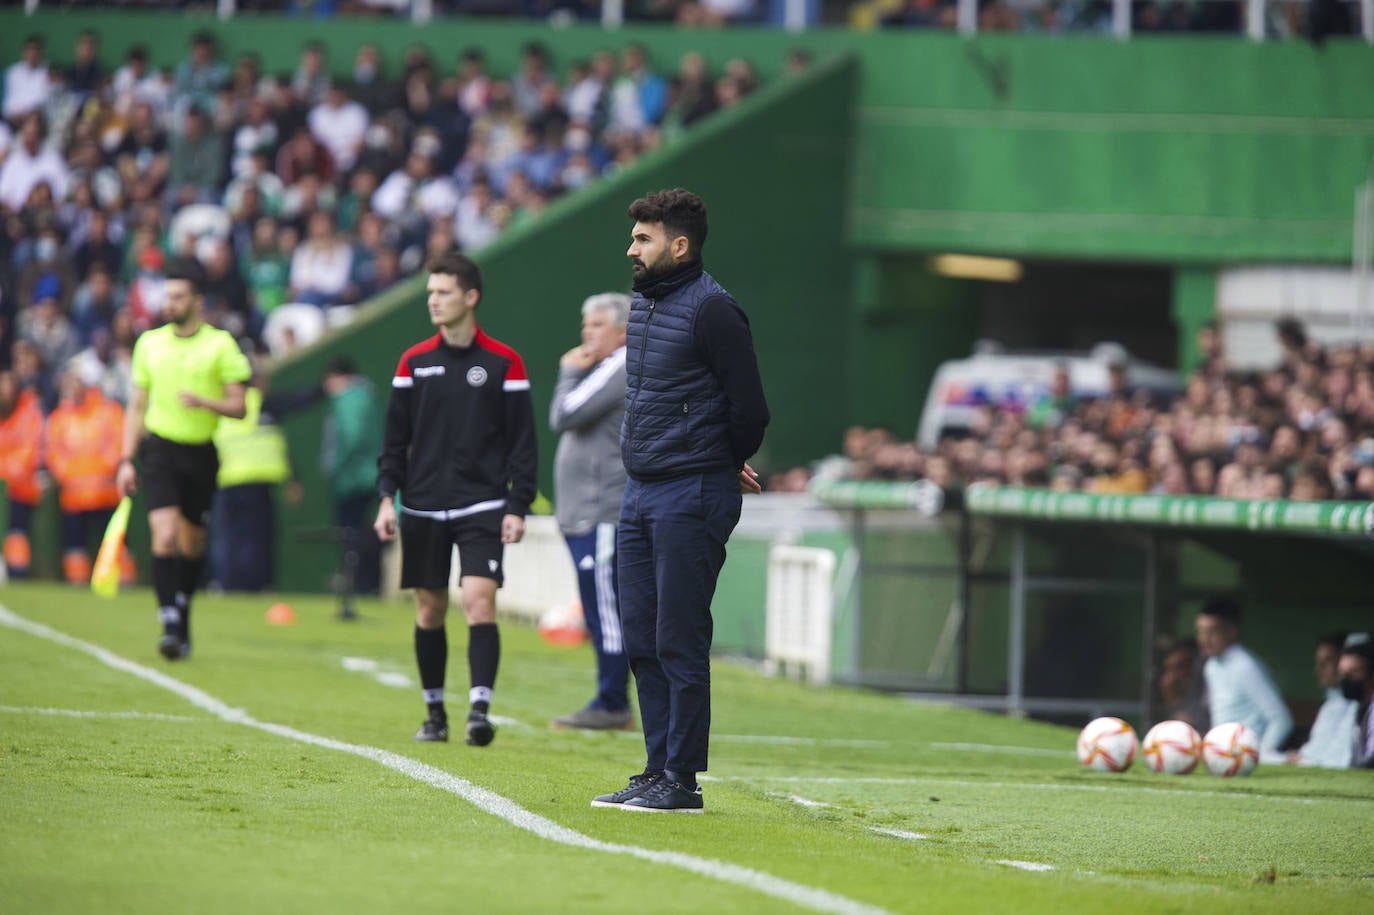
172,647
434,730
480,731
638,785
667,796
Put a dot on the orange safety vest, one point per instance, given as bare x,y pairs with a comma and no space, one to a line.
83,450
21,434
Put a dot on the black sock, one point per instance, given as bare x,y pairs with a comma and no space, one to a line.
188,579
431,654
484,656
165,587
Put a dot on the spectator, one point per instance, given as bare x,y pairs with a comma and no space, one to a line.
528,84
1180,686
27,84
1330,743
105,366
639,96
135,82
370,85
348,457
97,248
48,274
310,84
85,77
320,267
96,302
474,84
339,125
195,169
199,77
1356,669
30,164
21,429
142,157
226,294
304,155
82,451
1239,687
415,193
47,329
267,264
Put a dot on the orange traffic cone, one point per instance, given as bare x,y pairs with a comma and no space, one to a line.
281,615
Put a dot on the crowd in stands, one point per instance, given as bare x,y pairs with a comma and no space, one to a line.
1303,430
291,188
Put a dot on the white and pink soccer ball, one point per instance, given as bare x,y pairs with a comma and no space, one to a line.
1107,745
1173,747
1230,749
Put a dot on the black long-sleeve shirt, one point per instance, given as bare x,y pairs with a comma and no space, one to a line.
459,430
723,336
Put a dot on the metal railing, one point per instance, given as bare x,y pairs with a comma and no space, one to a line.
795,15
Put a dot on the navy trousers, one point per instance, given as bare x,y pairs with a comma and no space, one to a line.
593,555
672,536
242,537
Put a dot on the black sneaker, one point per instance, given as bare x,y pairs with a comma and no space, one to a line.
434,730
638,785
667,796
480,731
172,647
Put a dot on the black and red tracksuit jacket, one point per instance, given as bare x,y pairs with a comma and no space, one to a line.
459,431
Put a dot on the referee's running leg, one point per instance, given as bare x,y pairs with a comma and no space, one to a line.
179,485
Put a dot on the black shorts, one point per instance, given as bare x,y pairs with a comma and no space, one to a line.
175,475
427,549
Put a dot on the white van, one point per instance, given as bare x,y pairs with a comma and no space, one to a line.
991,377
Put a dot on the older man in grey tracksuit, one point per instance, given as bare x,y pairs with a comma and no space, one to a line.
589,481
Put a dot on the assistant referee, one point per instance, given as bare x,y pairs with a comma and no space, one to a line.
187,375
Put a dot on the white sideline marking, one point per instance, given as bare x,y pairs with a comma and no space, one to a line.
79,713
1021,786
806,802
1025,865
899,833
373,669
483,799
998,748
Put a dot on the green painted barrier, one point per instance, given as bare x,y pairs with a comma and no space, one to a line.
1334,518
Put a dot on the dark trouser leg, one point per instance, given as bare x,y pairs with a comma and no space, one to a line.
594,557
246,523
691,521
639,621
353,515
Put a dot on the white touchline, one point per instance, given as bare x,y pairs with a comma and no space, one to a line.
81,713
1025,865
899,833
1024,786
806,802
481,798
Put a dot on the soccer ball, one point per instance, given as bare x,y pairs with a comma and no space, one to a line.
563,625
1107,745
1230,749
1172,747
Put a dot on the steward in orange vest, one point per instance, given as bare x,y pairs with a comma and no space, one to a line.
21,434
83,448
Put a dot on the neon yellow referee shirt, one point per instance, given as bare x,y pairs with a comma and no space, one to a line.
203,363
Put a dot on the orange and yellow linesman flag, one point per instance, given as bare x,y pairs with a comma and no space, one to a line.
105,578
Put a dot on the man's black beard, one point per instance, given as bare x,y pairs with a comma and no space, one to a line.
651,272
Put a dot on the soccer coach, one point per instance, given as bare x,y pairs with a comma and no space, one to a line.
694,413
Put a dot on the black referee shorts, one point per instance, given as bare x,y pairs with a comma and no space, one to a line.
173,474
427,549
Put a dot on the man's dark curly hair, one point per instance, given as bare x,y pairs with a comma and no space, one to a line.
679,210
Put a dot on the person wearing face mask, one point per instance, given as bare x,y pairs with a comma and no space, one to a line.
1356,669
1329,744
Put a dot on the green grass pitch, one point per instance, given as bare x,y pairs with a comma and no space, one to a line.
120,794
